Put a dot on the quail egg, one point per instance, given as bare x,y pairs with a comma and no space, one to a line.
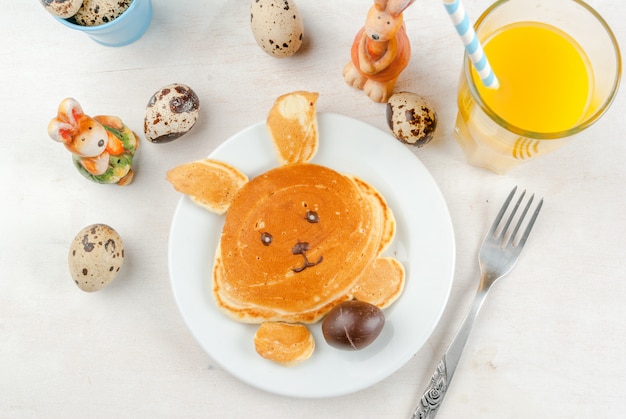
62,8
95,257
99,12
277,26
411,118
171,112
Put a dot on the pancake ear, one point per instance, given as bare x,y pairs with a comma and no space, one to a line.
211,184
292,125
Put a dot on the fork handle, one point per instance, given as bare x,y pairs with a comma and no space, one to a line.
434,394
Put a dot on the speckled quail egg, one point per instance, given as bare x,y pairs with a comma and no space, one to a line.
99,12
62,8
96,256
171,112
277,26
411,118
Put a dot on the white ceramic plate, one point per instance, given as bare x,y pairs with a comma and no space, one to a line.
424,243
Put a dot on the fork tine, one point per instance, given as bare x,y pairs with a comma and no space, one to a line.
521,218
529,227
496,222
508,222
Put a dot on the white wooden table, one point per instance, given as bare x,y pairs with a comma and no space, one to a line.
549,343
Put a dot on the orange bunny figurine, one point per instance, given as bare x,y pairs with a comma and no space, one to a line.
380,51
102,147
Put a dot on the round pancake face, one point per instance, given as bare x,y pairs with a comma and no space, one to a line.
294,243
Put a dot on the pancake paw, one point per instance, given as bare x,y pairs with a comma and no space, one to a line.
209,183
285,343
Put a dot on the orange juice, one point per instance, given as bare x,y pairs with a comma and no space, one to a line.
558,66
545,82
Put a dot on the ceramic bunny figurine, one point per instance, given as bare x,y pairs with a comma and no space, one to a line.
102,147
380,51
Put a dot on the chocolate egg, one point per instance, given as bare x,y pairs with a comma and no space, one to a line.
277,26
411,118
353,325
96,256
171,112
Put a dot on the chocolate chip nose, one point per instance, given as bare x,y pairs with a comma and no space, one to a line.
375,37
300,248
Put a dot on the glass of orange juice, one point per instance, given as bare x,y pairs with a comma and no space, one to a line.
559,67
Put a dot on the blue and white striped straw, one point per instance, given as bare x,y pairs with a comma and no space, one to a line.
474,49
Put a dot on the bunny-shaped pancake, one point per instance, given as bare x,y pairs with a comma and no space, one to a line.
298,239
380,51
102,147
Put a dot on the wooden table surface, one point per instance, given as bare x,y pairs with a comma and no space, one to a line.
550,340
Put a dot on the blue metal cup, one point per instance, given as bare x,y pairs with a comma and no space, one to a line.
125,29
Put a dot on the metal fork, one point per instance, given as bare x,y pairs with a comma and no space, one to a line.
498,254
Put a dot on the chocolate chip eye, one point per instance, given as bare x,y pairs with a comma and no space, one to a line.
266,239
312,217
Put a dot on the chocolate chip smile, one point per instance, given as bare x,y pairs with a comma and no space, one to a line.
300,249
